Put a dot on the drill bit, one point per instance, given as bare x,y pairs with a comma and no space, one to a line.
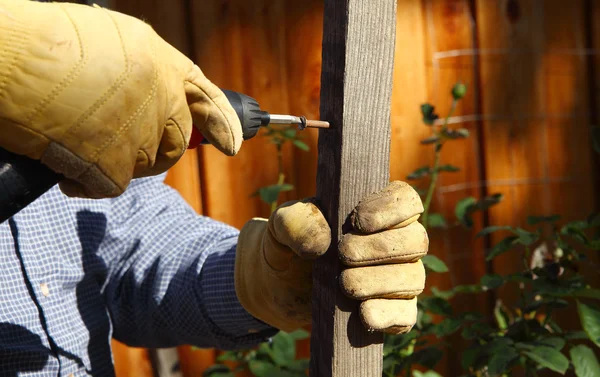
301,121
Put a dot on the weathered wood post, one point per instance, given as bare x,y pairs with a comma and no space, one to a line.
356,87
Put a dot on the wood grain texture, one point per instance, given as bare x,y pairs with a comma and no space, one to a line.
356,83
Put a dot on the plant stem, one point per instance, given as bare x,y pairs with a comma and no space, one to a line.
436,164
280,171
279,182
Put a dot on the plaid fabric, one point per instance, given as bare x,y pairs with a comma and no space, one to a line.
143,268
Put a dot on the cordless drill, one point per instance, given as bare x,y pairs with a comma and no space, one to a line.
23,180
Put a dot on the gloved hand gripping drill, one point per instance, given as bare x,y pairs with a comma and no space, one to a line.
22,180
102,99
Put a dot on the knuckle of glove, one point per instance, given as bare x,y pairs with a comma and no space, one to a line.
400,245
301,226
405,280
393,205
389,316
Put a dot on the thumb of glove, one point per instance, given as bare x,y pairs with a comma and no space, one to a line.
212,113
296,228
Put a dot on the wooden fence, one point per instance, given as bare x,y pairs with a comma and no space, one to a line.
531,67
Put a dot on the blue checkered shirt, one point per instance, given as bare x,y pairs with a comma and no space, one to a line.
143,268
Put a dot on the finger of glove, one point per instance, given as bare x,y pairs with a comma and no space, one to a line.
212,113
300,225
395,316
405,280
396,205
173,143
400,245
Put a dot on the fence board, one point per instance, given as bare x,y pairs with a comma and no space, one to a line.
449,29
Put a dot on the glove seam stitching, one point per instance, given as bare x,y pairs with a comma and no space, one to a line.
19,43
119,82
384,258
68,79
139,110
390,296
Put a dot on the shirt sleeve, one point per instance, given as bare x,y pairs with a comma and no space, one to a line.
171,274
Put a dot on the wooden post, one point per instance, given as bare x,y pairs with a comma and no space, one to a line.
356,86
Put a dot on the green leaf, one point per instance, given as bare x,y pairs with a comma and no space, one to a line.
584,361
299,334
553,341
429,373
218,370
501,247
590,321
460,133
298,365
394,343
261,368
533,220
448,168
436,305
462,209
588,293
576,335
468,288
502,316
421,172
549,358
492,229
593,220
471,316
436,220
442,294
434,264
289,133
525,237
492,281
465,208
270,194
500,361
447,327
470,356
428,357
429,115
229,355
283,349
430,140
301,145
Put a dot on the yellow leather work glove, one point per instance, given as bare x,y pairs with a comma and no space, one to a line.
99,97
273,272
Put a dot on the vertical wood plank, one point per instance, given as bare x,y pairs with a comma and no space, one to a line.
356,83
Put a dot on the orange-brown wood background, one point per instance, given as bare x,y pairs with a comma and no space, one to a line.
531,67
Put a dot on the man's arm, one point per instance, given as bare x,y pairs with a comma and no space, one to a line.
171,274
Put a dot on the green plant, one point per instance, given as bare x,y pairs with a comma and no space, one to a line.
278,358
274,359
524,336
518,336
279,135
